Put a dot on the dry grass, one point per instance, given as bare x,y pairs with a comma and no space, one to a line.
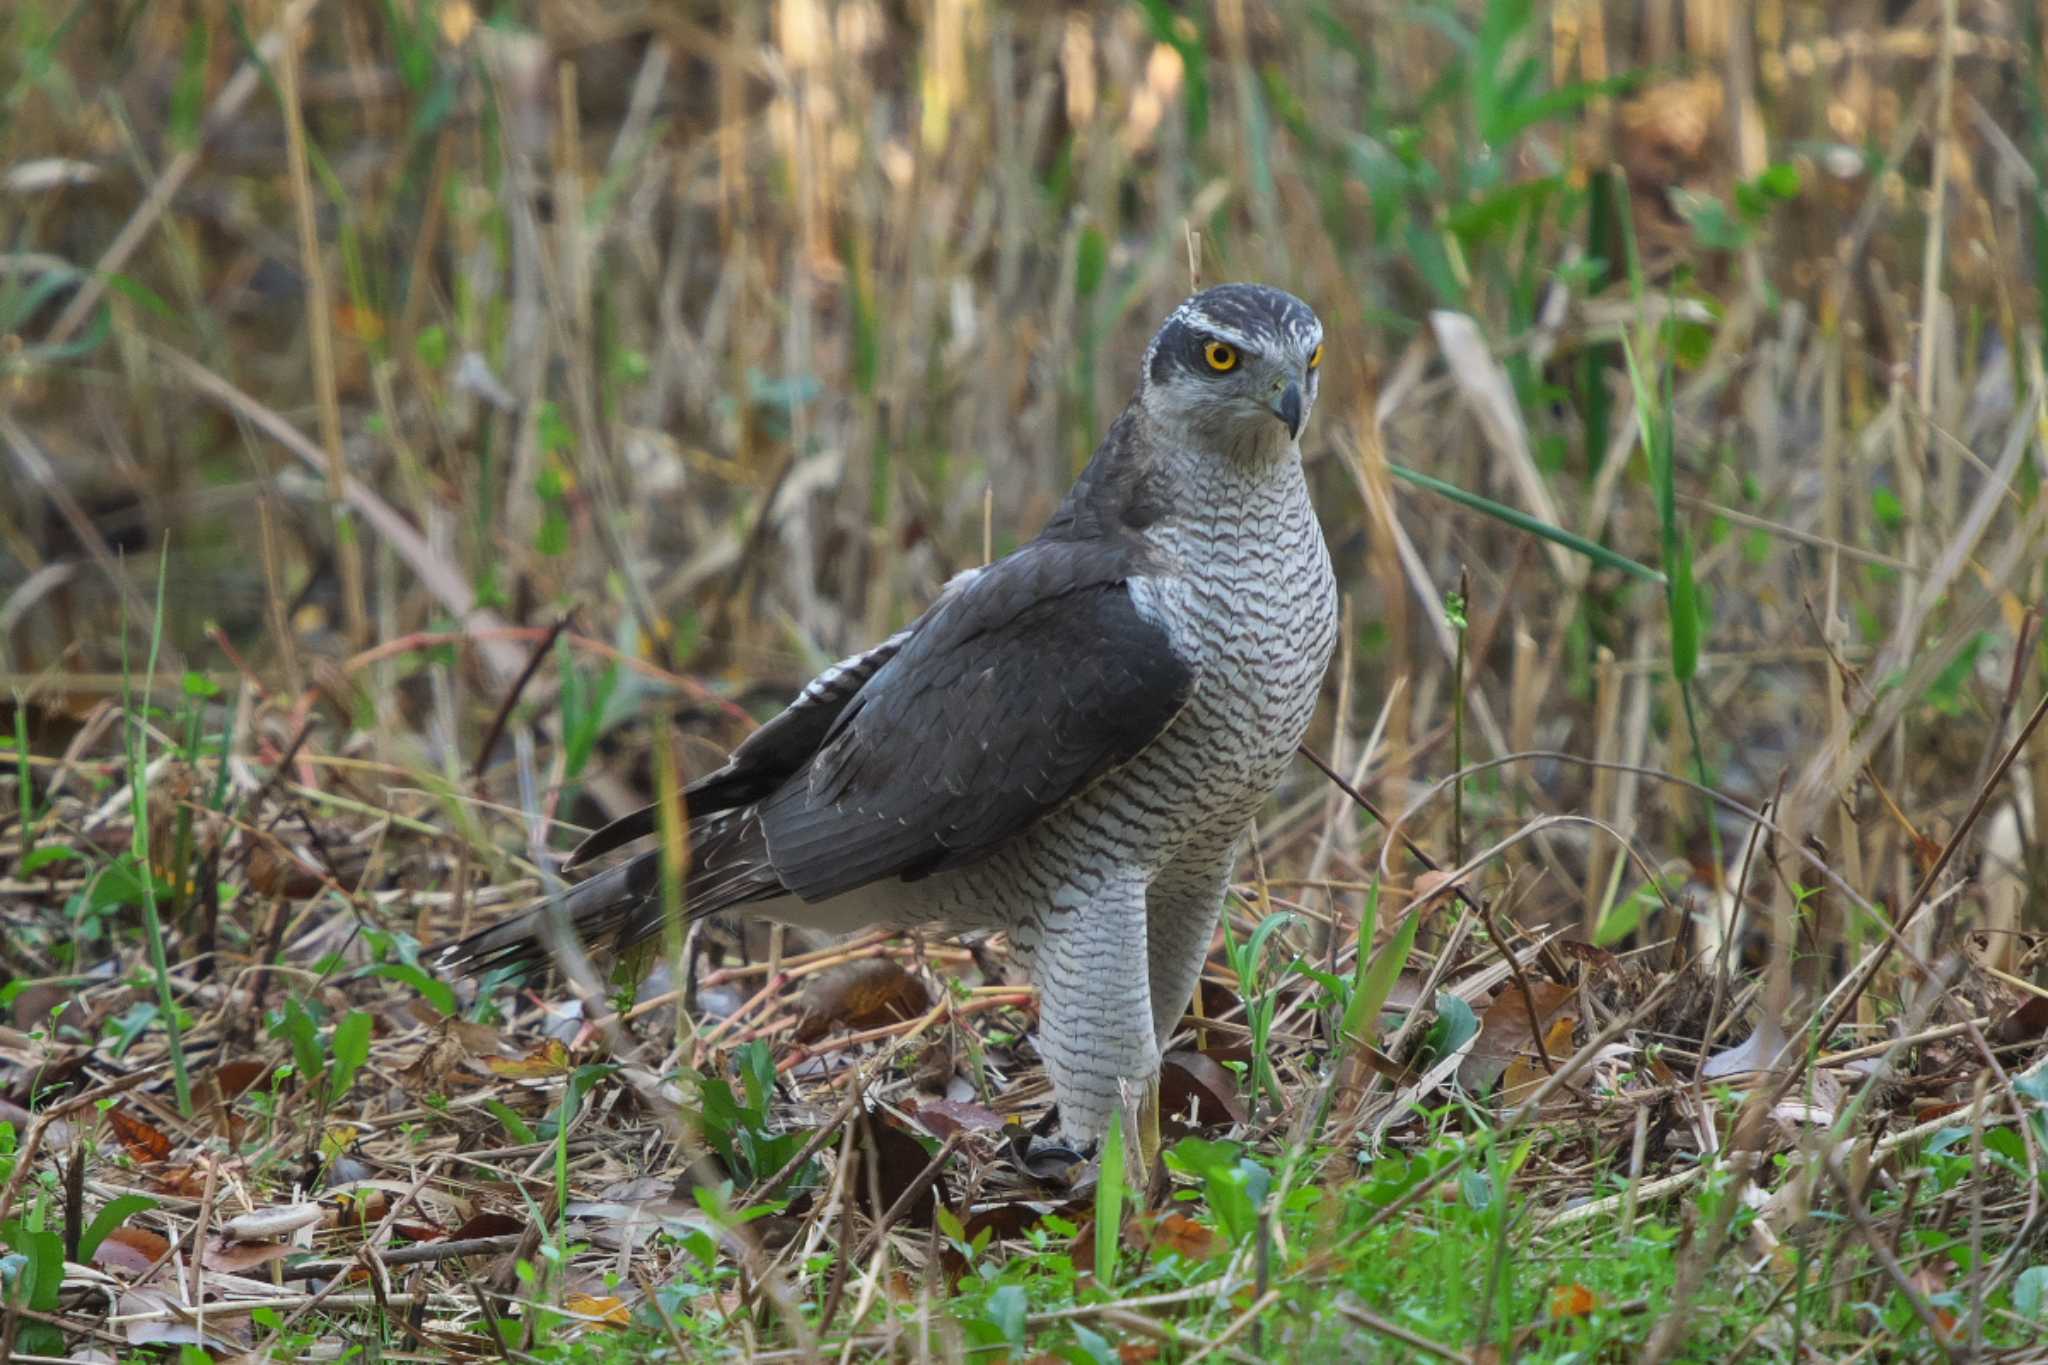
459,406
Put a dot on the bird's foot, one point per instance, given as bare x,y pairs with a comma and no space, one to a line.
1040,1153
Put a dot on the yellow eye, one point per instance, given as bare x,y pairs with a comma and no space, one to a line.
1316,356
1220,356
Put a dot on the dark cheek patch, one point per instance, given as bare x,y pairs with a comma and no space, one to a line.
1173,339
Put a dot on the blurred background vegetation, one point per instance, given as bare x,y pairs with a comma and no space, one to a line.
391,332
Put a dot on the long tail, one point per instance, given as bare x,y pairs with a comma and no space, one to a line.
624,906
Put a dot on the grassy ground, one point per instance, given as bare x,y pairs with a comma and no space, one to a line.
431,427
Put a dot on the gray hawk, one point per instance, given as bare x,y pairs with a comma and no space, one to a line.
1070,744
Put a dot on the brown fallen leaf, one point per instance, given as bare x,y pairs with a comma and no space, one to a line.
236,1258
216,1090
1177,1233
1504,1032
144,1141
1197,1083
488,1225
1572,1301
1525,1074
608,1311
943,1118
900,1159
548,1060
130,1251
2027,1022
868,993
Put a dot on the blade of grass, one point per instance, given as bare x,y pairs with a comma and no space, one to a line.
1374,983
1522,521
138,788
1109,1203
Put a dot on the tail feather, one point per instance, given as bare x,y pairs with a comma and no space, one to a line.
623,906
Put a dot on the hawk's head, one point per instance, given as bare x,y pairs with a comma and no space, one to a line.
1235,368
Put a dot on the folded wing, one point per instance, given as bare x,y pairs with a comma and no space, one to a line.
1023,685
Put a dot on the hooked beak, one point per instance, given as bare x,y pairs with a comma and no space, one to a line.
1287,407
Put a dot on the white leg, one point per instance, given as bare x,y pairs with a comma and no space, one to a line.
1095,1022
1181,910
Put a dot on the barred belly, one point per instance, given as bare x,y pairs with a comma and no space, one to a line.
1253,606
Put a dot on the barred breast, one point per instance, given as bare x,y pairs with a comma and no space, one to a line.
1249,598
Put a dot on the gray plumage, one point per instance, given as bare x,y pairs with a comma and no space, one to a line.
1070,744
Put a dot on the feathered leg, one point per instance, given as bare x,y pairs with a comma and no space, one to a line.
1095,1019
1181,911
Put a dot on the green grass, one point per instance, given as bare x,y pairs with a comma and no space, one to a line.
1467,1265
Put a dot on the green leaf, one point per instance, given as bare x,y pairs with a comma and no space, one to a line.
1254,952
188,91
47,854
1625,915
1455,1025
1780,181
1375,980
1685,616
1109,1206
438,993
42,1279
1522,521
2030,1294
1091,262
431,346
1091,1348
351,1047
514,1125
867,331
1007,1308
296,1026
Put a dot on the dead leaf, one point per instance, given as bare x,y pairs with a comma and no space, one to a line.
1194,1082
900,1159
1525,1075
1572,1301
275,871
143,1141
548,1060
1177,1233
263,1224
186,1181
608,1312
943,1118
231,1080
868,993
488,1225
130,1251
1754,1053
152,1318
628,1213
1504,1032
1431,886
235,1258
2026,1023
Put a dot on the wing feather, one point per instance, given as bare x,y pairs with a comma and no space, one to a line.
1010,698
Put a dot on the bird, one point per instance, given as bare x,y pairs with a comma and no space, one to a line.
1069,745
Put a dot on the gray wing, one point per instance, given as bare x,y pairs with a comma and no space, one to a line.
764,760
1017,691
